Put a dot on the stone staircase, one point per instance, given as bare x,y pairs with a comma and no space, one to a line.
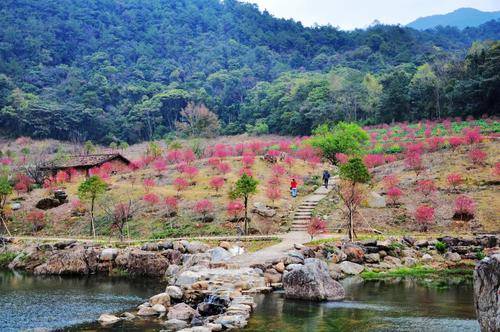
304,212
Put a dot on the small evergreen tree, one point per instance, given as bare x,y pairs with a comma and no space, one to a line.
5,191
91,189
244,188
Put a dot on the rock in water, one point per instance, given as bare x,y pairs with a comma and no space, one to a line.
107,319
486,293
312,281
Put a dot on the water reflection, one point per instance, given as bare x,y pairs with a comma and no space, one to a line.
28,302
402,305
397,305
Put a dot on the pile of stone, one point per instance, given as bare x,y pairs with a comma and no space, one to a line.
77,258
347,259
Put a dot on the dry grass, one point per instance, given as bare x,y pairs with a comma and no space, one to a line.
480,184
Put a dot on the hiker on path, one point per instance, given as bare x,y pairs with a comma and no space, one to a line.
326,178
293,188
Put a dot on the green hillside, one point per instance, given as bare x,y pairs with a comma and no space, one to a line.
110,70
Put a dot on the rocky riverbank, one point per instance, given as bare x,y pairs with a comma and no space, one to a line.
205,291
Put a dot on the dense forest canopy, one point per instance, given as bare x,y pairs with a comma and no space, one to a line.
122,70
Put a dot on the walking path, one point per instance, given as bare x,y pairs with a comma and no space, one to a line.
298,235
304,211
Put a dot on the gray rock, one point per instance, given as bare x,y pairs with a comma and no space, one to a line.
108,254
232,322
392,261
181,311
174,292
409,253
372,258
214,327
486,293
422,243
147,311
15,206
263,210
107,319
219,254
376,201
452,256
175,324
196,247
312,281
409,261
187,278
290,267
166,245
335,271
150,247
426,258
127,316
384,244
162,298
351,268
159,308
172,270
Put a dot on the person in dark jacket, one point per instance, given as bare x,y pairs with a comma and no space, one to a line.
326,178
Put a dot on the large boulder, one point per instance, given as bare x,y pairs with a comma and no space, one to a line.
219,254
487,293
175,325
48,203
162,298
143,263
375,200
181,311
452,257
312,281
108,254
351,268
263,210
77,260
354,252
174,292
196,247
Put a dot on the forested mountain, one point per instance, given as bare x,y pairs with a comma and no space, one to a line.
460,18
121,70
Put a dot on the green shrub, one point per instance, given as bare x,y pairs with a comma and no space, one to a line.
480,254
6,258
441,247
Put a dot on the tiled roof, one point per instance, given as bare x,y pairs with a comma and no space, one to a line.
90,160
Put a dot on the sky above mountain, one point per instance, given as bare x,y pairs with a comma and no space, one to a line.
351,14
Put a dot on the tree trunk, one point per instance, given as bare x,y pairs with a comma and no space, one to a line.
351,217
92,227
246,215
351,226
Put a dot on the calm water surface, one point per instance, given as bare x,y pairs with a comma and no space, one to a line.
28,302
71,304
372,306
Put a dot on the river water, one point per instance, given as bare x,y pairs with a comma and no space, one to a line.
72,304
